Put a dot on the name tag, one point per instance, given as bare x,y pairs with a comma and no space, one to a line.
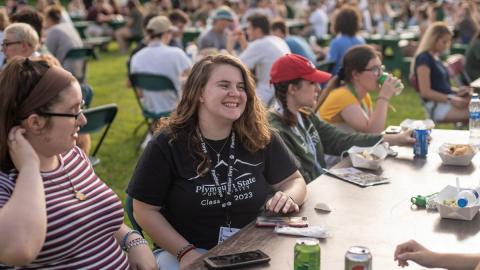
225,233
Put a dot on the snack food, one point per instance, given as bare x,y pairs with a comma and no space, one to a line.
450,203
459,149
368,156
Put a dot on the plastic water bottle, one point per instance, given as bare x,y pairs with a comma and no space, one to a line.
474,120
468,197
192,51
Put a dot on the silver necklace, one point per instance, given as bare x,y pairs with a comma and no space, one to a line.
220,151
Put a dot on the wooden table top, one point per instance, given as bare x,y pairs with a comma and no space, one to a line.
378,217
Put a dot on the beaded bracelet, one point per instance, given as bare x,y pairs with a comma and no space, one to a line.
184,251
123,244
135,242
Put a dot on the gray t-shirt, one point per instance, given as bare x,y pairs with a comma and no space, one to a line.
212,39
60,39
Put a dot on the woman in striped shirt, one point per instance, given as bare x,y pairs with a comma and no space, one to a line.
55,213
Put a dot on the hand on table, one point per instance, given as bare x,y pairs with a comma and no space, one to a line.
189,258
415,252
281,202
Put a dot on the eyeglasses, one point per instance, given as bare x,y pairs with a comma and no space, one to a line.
71,115
377,70
6,44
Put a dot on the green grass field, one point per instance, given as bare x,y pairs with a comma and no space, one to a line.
118,153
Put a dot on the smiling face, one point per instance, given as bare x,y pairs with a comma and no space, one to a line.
224,98
61,133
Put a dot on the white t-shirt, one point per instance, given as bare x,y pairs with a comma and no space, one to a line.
164,60
319,21
260,55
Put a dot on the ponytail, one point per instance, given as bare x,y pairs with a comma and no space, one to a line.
281,92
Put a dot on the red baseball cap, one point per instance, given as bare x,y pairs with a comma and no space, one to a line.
294,66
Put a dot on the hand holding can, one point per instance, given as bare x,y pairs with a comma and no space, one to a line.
397,82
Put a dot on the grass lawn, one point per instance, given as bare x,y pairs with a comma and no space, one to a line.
118,153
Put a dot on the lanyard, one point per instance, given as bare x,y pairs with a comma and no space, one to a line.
354,93
307,140
226,198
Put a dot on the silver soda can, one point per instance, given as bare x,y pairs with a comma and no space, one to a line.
358,258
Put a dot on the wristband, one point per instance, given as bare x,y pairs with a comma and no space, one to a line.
184,251
450,97
135,242
123,244
384,98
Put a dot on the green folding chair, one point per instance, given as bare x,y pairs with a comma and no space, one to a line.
83,54
326,65
99,118
129,209
155,83
87,94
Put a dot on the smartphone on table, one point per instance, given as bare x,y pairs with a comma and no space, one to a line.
235,260
393,130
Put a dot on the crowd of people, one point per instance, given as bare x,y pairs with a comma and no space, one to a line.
249,125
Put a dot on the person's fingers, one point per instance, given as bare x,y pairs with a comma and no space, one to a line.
407,256
281,202
288,204
269,202
272,203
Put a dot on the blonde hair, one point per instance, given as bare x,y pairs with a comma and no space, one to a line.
23,32
4,21
434,32
252,127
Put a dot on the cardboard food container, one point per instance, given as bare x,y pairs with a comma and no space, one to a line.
454,212
414,124
360,161
457,158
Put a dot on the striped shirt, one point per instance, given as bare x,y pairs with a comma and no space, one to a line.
80,234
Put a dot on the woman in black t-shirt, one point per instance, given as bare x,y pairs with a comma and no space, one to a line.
210,167
432,78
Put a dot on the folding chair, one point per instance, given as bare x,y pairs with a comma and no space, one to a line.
326,65
151,82
99,118
129,209
87,94
80,54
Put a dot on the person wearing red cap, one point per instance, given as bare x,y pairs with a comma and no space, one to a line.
296,81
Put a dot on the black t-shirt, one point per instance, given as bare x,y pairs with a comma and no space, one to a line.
166,176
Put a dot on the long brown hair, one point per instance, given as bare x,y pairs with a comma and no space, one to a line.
251,128
355,59
281,93
16,82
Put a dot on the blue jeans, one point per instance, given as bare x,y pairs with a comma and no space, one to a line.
166,261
